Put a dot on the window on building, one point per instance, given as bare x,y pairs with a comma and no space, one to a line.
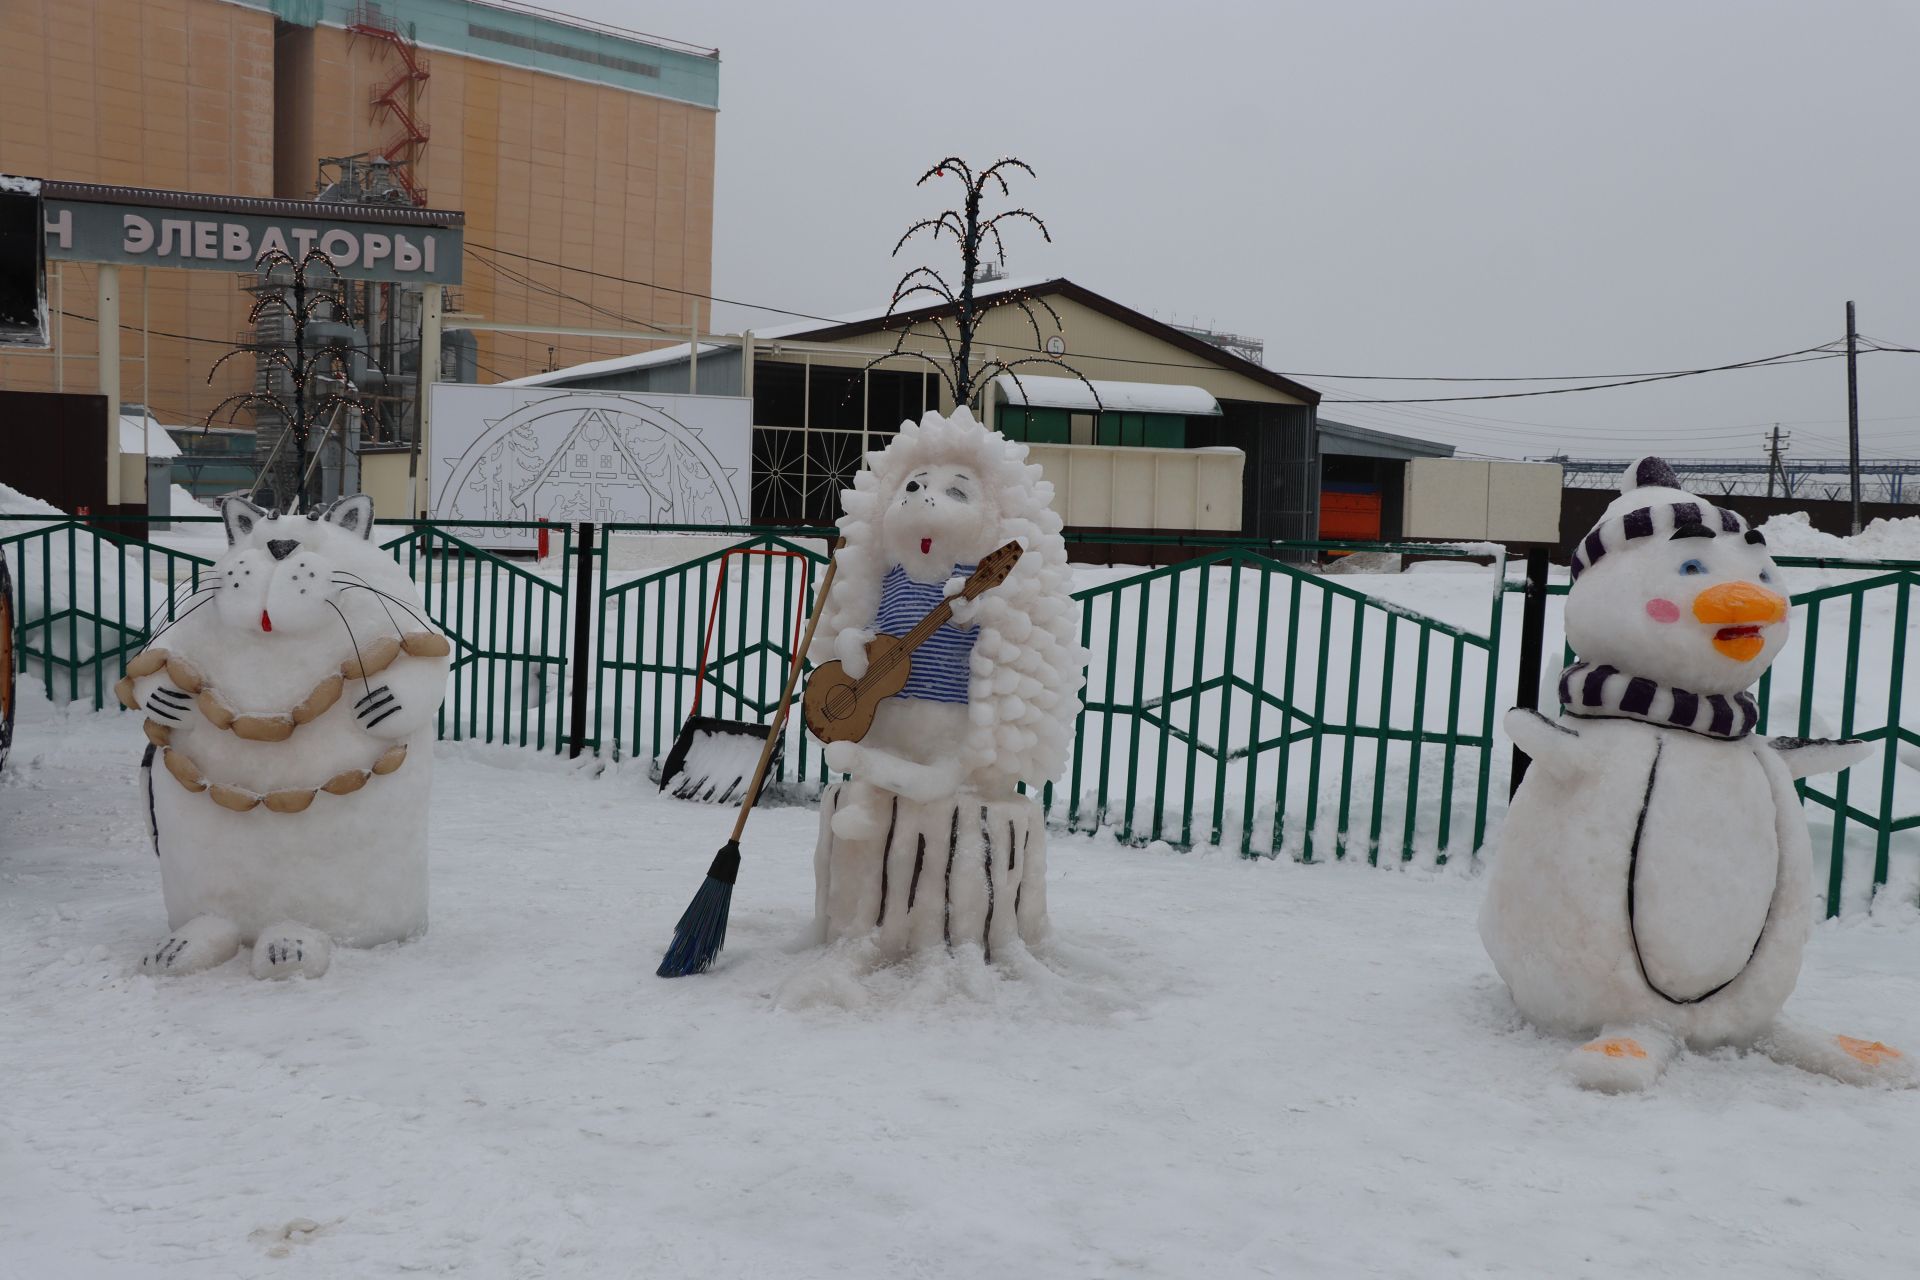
1035,426
779,394
1149,430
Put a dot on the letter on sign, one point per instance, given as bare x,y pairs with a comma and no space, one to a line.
176,238
139,234
378,246
406,257
60,227
342,246
206,240
235,241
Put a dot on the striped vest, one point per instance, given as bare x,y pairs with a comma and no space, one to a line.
943,664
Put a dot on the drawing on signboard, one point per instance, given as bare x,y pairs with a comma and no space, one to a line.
603,458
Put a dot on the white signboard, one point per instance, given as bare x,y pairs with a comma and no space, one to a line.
629,457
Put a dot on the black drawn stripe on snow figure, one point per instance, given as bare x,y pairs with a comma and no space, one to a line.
1020,890
919,860
953,844
886,855
986,857
146,773
1633,884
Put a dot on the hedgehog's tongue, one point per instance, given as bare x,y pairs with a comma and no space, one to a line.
266,623
926,546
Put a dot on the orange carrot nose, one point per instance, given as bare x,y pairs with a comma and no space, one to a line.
1739,609
1739,603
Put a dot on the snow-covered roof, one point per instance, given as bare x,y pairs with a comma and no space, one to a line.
792,329
618,364
1046,391
142,433
19,186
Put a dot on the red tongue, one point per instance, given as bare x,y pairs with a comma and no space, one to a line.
266,623
926,546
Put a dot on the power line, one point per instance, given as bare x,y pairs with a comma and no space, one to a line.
1804,355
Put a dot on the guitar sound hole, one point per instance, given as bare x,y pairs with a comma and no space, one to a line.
840,703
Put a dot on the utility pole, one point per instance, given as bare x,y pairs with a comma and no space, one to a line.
1775,467
1853,414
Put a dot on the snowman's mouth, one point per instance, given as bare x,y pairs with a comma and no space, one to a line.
926,546
1742,643
266,623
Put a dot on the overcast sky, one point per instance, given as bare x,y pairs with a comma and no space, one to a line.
1478,188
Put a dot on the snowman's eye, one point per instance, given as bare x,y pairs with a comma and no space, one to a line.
1765,576
958,495
1692,567
913,486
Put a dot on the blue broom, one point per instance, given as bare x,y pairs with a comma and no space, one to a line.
702,930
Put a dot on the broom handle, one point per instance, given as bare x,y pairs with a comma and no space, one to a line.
786,697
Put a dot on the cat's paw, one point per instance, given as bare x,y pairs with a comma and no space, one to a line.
290,947
376,706
200,943
168,705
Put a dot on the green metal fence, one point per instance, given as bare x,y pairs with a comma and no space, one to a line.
509,627
713,635
1280,729
87,601
1305,718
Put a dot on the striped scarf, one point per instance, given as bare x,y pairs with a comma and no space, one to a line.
1603,692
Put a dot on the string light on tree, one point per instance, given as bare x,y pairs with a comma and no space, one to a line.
960,311
300,292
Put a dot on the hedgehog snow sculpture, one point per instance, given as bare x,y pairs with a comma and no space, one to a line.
931,844
1653,885
289,715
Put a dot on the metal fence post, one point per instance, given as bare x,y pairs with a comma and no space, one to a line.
584,597
1533,640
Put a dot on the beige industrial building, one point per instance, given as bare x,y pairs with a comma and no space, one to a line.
1175,434
563,142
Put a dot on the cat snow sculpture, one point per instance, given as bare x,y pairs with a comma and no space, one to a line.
931,844
289,712
1653,884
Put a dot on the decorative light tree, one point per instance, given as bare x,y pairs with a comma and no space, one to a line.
290,294
960,311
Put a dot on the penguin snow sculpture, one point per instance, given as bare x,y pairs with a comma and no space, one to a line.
931,844
289,712
1653,883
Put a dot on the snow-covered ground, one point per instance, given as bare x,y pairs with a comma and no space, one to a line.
1225,1068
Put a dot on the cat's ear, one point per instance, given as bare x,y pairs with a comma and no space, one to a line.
352,515
241,516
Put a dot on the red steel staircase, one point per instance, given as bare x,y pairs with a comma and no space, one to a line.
399,97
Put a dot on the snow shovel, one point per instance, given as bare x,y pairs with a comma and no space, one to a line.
713,757
702,930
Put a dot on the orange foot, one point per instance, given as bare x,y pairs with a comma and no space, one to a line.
1627,1047
1868,1052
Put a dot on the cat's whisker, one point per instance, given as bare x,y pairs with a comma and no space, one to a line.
379,599
409,609
352,640
174,599
181,617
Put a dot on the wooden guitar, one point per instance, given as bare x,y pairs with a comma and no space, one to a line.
838,708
